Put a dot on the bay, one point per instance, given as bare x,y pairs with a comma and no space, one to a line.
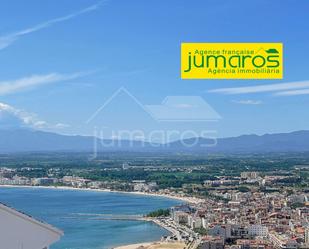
78,214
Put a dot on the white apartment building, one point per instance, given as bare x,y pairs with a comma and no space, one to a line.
257,230
194,221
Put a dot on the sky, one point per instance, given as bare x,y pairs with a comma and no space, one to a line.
73,66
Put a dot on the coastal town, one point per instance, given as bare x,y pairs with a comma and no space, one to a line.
251,210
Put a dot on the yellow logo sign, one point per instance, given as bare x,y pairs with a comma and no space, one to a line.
231,61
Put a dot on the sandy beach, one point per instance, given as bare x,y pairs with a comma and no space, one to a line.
154,245
134,246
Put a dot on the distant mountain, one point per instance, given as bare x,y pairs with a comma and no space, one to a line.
20,140
25,140
297,141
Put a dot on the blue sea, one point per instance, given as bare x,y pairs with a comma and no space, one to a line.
78,214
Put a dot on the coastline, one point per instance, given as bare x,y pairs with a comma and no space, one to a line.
191,200
134,246
150,244
146,244
153,245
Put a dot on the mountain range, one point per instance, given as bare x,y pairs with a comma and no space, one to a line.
26,140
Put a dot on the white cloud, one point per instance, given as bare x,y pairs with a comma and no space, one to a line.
16,118
12,86
263,88
7,40
293,93
248,102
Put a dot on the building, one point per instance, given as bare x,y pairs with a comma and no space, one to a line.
282,241
307,236
141,187
18,230
252,244
194,221
43,181
222,231
181,217
15,181
301,198
77,182
249,175
210,242
145,187
257,230
182,208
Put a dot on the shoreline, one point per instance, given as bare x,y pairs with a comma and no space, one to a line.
134,246
153,245
191,200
